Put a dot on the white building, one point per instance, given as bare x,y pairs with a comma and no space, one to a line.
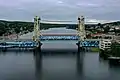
105,44
106,41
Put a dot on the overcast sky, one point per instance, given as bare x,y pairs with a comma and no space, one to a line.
59,9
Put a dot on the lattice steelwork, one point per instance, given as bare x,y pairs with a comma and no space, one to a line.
37,32
81,28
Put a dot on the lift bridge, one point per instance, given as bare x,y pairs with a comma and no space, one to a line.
80,36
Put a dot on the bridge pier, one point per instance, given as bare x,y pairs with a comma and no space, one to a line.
80,47
38,47
4,48
78,44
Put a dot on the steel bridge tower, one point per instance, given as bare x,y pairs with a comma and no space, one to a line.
81,31
37,33
81,28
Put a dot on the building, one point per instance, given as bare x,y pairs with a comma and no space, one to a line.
106,41
105,44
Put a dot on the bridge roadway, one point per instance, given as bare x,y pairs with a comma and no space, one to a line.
17,44
62,36
30,40
28,43
58,34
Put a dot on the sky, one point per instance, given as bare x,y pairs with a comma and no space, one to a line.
93,10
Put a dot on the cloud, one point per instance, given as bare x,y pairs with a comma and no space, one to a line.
59,9
87,5
60,2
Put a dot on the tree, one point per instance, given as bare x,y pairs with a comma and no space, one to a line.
17,30
106,29
115,49
2,29
100,26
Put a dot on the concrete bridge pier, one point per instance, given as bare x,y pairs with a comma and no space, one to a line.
38,47
4,48
80,47
78,44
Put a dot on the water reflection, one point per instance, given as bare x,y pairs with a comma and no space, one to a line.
38,57
114,72
79,62
38,64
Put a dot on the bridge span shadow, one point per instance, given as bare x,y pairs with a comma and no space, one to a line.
47,50
43,51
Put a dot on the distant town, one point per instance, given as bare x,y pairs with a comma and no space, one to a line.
19,27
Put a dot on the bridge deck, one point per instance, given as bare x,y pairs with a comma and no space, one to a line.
32,44
59,34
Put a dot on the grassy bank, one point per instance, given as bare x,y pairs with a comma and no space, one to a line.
94,49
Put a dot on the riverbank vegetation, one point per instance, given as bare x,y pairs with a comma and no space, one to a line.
95,49
115,49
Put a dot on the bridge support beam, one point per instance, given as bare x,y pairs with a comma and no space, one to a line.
78,44
39,46
80,47
4,49
37,49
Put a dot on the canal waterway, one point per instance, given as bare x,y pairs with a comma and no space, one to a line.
66,65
